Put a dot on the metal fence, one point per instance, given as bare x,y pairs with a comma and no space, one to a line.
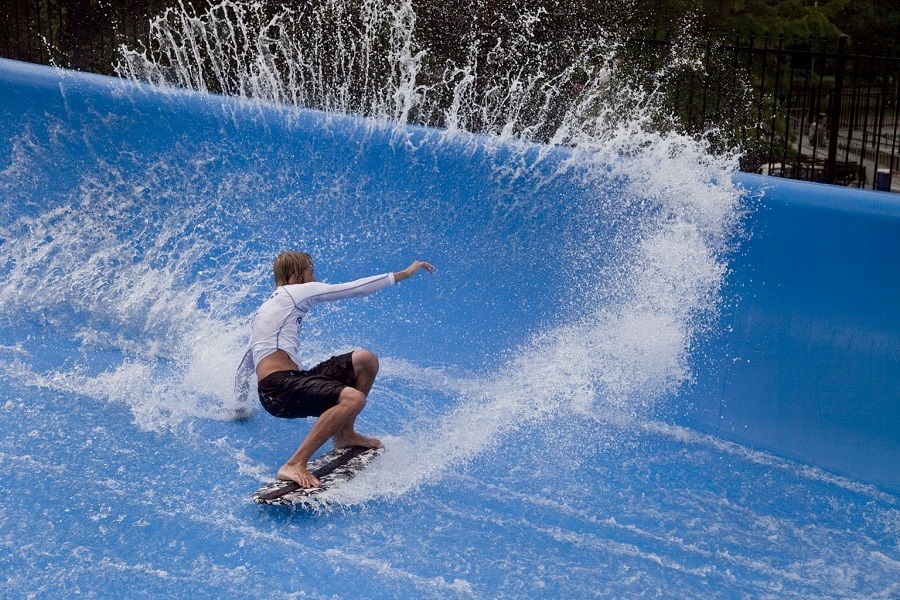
799,109
805,110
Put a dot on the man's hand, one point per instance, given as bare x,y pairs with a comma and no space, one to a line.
412,269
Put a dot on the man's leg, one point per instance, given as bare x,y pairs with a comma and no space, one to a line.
350,403
365,365
337,422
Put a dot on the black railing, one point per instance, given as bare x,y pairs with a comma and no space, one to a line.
815,111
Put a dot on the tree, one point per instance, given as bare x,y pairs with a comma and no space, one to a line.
872,23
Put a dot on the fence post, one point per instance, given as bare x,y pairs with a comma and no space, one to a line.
834,119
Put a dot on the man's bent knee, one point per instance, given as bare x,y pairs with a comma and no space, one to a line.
365,361
352,399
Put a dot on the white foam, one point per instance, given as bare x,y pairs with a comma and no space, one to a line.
619,340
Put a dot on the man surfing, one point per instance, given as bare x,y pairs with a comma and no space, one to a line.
335,391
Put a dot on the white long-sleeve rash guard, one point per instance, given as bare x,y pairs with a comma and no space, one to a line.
276,325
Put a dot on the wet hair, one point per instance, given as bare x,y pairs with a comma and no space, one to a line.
290,263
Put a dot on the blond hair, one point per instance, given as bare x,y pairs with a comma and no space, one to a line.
290,263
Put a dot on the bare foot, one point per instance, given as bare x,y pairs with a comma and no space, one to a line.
356,440
299,474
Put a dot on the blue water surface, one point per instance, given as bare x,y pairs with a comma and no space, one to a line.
525,395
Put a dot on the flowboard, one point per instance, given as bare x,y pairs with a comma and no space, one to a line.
331,469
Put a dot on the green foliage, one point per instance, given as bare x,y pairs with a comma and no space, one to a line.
866,21
872,23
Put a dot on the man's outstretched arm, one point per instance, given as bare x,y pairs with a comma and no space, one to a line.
412,269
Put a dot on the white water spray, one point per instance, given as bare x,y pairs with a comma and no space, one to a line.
619,339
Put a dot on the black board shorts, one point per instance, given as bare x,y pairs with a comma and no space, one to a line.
297,394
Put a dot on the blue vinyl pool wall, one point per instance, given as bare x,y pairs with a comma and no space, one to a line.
806,361
807,365
138,227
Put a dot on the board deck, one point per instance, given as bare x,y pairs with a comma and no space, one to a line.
332,468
